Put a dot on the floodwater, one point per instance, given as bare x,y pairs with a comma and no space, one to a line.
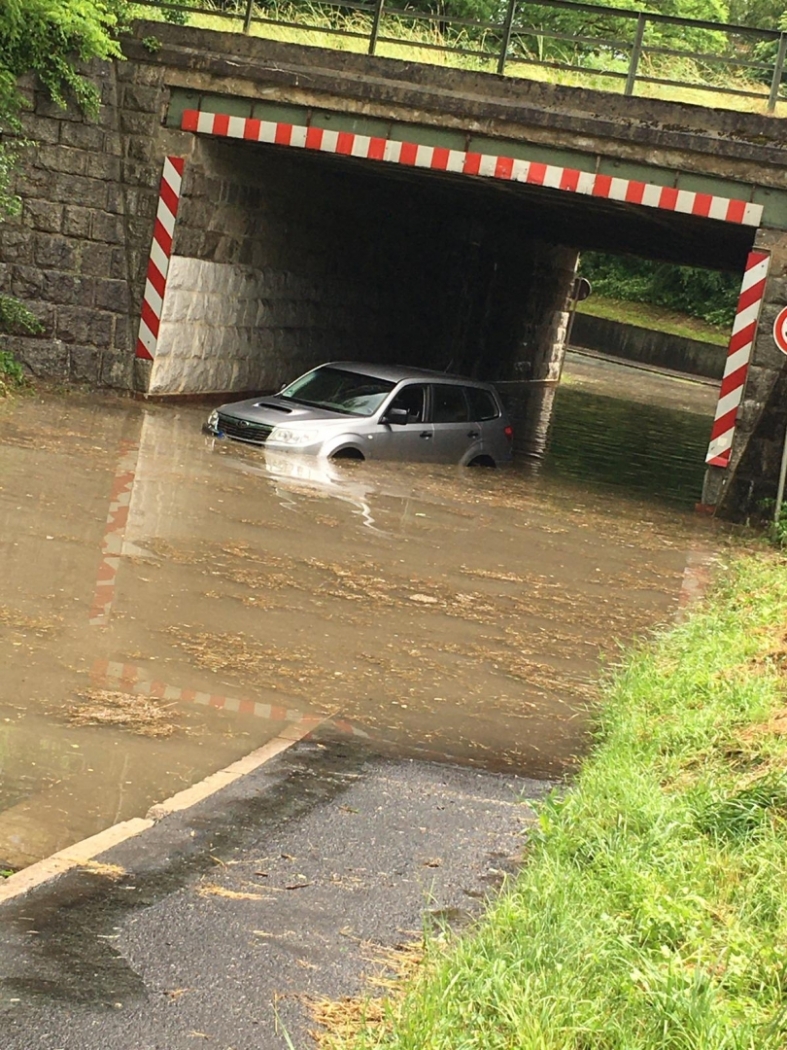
167,605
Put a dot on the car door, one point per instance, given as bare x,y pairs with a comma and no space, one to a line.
485,413
455,434
412,440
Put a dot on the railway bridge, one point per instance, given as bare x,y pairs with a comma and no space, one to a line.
243,209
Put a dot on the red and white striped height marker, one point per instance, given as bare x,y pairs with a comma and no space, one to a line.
509,169
744,331
160,252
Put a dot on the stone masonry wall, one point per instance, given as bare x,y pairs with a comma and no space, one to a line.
266,278
66,255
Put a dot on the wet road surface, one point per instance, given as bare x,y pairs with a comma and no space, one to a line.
167,605
238,924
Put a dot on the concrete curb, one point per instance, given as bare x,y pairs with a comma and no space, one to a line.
77,855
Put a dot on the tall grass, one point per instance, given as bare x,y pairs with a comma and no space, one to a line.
651,911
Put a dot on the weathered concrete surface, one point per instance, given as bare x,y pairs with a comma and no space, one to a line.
745,146
232,915
648,347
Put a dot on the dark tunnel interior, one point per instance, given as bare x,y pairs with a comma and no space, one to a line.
356,259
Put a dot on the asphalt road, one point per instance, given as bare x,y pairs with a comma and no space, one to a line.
225,921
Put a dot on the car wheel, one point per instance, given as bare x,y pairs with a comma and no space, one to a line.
348,453
482,461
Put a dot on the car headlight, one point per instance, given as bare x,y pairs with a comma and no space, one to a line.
213,419
296,438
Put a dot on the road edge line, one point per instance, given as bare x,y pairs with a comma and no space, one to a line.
76,855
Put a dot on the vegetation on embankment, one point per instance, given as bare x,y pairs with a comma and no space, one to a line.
651,910
710,296
656,318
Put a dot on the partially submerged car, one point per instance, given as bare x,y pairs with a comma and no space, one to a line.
344,410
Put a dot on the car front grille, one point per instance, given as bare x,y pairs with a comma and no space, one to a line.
244,429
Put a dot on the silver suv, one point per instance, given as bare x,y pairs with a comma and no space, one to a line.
345,410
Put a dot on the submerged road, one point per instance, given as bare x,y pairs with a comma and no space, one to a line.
166,606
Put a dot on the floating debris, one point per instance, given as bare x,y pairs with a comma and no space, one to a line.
106,707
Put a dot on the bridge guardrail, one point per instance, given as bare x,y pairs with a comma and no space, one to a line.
619,45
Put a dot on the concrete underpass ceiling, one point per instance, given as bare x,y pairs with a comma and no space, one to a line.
561,217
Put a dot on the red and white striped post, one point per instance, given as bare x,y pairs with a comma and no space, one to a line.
160,252
744,331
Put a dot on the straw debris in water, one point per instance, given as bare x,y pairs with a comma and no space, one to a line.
106,707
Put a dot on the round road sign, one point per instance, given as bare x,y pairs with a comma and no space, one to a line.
780,330
581,289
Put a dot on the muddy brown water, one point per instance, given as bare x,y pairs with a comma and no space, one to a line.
457,614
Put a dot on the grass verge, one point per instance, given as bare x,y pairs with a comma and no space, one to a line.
651,912
645,315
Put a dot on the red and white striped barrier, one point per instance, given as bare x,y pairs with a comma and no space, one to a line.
160,252
744,330
112,543
438,158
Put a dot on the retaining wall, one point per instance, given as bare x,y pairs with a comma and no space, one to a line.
648,347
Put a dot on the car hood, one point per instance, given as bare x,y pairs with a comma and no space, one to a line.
280,411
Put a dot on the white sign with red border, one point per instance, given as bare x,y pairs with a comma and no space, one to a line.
780,330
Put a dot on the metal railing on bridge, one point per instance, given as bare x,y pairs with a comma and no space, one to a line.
598,45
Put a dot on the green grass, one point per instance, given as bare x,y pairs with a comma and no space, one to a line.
651,911
644,315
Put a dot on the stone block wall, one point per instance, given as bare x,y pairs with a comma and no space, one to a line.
66,255
78,253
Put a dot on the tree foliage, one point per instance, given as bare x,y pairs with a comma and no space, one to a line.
50,37
760,14
707,294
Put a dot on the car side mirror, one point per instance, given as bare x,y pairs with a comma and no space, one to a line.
397,416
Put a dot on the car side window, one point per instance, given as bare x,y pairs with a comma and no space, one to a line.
449,405
482,404
413,400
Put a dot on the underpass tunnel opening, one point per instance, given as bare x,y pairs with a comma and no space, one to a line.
282,261
642,428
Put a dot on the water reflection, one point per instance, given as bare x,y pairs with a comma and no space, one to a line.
443,611
640,431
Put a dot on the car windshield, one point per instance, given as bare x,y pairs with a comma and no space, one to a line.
352,393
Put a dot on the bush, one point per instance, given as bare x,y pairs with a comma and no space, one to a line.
707,294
